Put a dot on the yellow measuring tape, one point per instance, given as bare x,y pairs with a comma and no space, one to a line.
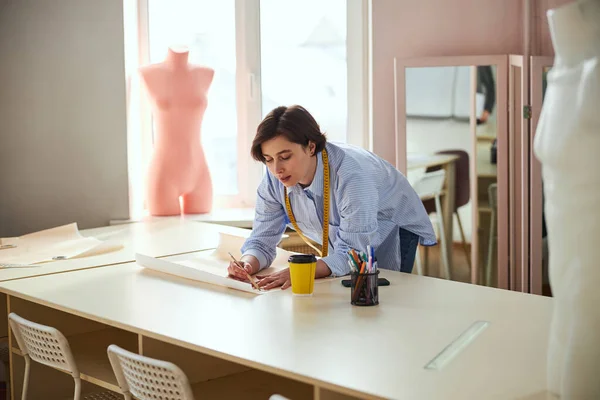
325,246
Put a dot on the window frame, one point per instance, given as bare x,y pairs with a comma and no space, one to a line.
248,95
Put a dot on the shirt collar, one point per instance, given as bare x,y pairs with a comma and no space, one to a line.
316,186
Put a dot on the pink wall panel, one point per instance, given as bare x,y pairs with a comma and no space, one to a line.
542,43
408,28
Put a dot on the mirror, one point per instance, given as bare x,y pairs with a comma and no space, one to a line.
441,119
437,122
450,115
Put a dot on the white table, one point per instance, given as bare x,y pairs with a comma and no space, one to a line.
156,239
322,342
236,217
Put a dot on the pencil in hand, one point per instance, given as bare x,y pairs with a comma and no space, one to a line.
250,278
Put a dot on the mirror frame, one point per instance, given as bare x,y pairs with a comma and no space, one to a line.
518,176
501,63
537,65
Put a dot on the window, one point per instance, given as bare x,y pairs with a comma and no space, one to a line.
265,53
303,59
207,27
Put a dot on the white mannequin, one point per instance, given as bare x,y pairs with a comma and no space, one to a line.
568,145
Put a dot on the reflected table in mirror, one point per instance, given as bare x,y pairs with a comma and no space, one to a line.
485,168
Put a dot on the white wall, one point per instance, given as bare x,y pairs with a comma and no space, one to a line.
63,140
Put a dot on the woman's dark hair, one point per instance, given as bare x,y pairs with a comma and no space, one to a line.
294,123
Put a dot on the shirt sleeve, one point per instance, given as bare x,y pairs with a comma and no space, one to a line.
358,204
268,225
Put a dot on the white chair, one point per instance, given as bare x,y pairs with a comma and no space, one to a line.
278,397
48,346
146,378
430,186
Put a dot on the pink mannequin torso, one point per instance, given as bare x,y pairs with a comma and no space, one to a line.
177,92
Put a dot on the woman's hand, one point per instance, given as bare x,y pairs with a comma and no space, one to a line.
250,266
282,278
276,279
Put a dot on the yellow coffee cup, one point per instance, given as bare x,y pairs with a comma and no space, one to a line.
302,273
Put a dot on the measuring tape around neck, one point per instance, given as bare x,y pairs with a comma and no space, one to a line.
325,244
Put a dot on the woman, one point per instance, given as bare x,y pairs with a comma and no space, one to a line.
371,203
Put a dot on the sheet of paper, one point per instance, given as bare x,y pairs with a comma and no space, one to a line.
60,243
211,266
198,274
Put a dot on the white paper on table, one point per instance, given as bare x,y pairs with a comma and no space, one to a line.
64,241
211,266
208,274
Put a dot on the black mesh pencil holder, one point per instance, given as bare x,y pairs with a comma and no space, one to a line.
364,289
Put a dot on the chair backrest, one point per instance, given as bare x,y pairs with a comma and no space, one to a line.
43,344
148,379
430,184
462,186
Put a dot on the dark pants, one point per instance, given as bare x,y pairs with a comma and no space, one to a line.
408,249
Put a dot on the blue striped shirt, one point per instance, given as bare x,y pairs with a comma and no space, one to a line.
370,200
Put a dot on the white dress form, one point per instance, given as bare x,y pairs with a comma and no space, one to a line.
567,143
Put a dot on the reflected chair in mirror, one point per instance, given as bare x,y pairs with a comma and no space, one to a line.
462,194
429,187
48,346
145,378
493,195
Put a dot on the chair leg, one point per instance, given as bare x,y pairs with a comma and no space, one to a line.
8,387
77,393
418,261
26,377
464,241
444,252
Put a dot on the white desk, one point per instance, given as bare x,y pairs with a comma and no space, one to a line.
321,341
157,239
415,160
